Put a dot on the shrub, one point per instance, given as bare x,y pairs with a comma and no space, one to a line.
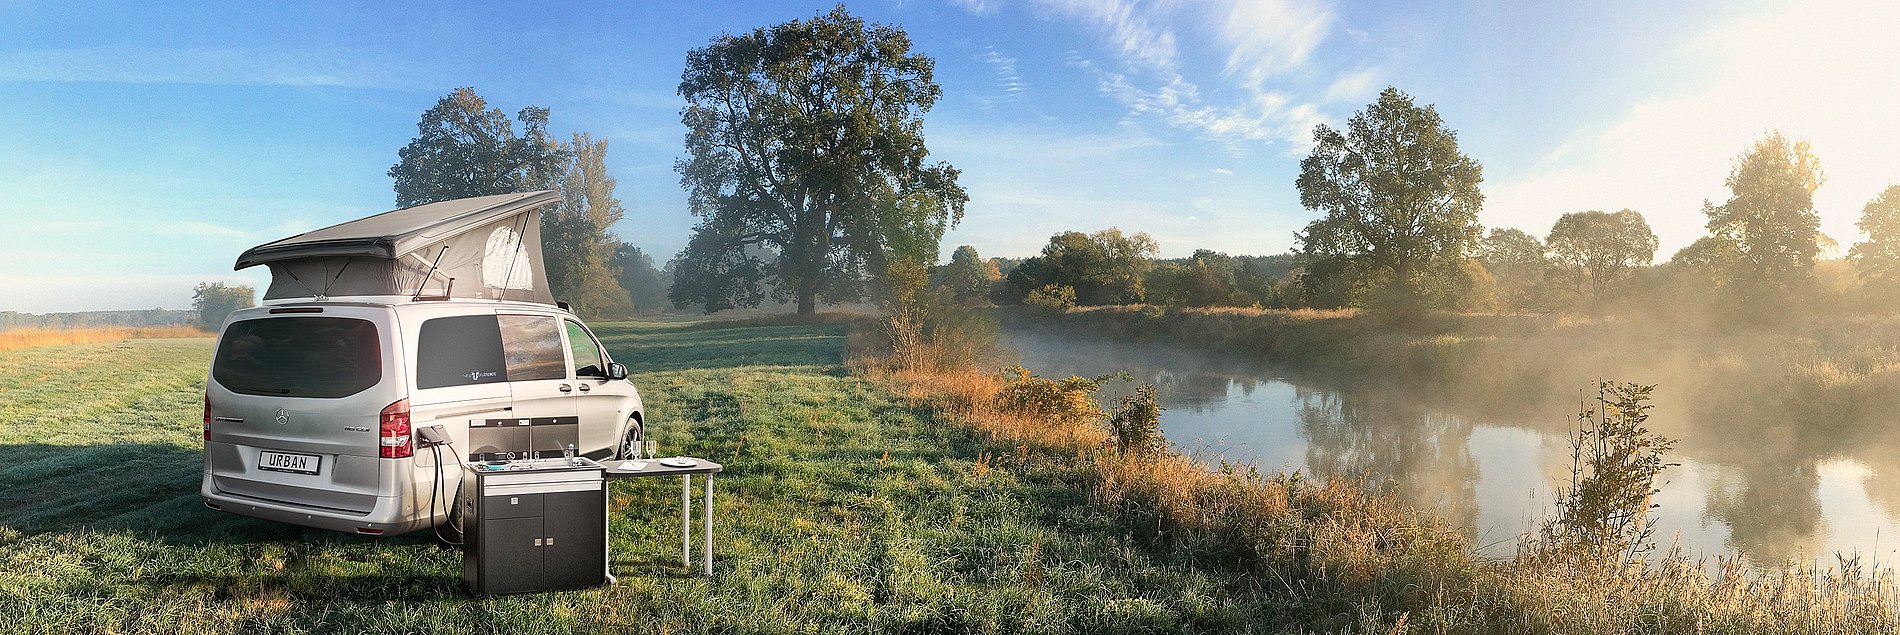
1052,298
1059,401
1613,469
1136,424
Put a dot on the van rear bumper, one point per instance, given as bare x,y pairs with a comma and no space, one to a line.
372,523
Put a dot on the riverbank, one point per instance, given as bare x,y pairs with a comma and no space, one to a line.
1334,545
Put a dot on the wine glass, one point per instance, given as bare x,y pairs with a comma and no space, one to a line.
653,449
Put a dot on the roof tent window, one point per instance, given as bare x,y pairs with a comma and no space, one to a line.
533,345
505,264
458,351
318,357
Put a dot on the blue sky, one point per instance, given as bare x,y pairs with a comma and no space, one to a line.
142,148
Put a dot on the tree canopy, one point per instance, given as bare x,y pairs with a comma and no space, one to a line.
1768,227
1878,259
644,282
969,277
1400,200
576,234
1106,267
463,148
214,301
1599,249
806,162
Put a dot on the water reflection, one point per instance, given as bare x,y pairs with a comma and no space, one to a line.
1766,484
1388,442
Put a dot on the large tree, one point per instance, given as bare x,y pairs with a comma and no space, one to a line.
1400,201
464,148
577,234
1600,249
1768,226
806,162
1878,259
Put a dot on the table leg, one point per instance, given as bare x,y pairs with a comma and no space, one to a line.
707,512
686,520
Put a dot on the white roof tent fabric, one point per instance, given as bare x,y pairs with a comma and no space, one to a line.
482,247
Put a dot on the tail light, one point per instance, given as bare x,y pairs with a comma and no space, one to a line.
394,430
207,417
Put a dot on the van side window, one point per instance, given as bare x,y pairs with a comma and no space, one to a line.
587,362
533,347
458,351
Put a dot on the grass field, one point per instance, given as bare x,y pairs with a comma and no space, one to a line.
843,509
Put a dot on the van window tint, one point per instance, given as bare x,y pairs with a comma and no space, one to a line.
321,357
533,344
458,351
585,351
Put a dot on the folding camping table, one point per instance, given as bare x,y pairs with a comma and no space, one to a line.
700,466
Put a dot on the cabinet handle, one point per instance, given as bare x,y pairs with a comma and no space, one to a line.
537,542
550,541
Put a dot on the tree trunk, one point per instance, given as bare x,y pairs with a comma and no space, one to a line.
808,290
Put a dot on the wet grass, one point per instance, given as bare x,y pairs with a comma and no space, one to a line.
844,508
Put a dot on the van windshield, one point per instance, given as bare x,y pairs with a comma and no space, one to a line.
321,357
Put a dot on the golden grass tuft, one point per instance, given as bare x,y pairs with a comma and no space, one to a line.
29,338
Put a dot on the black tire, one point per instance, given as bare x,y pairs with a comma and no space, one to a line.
636,432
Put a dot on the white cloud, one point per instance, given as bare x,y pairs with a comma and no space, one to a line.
1821,71
216,66
1008,81
1270,37
1223,171
1354,87
1261,39
978,7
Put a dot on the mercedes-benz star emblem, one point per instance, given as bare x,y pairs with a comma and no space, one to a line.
283,416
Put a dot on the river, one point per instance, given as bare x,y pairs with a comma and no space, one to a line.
1495,475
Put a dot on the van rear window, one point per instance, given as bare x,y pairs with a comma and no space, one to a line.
320,357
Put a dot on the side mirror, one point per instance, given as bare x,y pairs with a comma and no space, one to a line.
616,370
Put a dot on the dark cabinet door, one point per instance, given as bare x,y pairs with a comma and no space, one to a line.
512,555
575,523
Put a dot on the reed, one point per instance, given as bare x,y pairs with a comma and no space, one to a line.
28,338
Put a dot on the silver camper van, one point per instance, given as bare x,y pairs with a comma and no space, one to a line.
390,351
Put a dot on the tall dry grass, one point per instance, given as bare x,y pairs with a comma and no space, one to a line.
1340,553
29,338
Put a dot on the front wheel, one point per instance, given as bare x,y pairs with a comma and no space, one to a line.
630,442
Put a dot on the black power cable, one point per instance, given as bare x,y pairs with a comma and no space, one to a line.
434,494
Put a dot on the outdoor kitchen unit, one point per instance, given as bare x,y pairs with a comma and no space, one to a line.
536,525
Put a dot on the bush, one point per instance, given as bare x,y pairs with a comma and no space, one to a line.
1613,469
1136,424
1066,401
1051,298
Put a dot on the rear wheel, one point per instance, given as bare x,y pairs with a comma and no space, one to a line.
630,442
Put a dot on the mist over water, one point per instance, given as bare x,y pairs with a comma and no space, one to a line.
1764,488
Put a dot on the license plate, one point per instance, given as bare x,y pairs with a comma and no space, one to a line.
287,462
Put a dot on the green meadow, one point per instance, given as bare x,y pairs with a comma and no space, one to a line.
843,508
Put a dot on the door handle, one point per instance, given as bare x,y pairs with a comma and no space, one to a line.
584,388
566,388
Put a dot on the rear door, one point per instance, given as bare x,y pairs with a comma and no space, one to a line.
294,398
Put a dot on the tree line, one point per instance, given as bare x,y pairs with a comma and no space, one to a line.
1398,233
806,167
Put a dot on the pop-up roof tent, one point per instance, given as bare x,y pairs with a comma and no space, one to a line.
482,247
